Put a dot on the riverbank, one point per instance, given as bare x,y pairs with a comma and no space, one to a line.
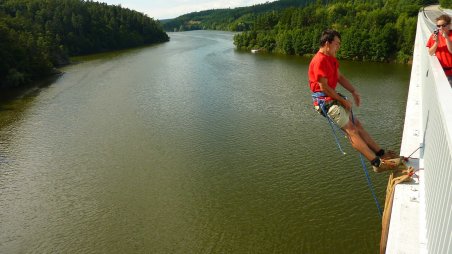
8,94
31,87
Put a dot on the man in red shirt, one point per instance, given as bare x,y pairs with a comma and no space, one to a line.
324,76
440,44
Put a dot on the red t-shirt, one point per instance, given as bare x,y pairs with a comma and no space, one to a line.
442,53
323,66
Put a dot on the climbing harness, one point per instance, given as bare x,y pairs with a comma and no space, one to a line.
319,98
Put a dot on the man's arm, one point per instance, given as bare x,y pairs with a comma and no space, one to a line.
432,49
323,82
347,85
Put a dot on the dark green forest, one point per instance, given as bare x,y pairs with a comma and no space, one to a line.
38,35
447,4
237,19
372,30
381,31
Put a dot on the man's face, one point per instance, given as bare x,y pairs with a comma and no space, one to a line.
442,25
334,46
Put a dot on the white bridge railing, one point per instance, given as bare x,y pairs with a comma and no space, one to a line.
433,133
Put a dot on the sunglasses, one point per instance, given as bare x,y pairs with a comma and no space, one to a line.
443,25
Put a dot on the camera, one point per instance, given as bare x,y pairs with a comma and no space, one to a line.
436,31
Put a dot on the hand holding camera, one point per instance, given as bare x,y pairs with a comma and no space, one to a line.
435,34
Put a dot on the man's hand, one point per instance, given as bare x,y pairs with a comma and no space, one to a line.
357,98
346,104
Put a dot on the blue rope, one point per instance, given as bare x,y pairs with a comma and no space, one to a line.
371,187
369,182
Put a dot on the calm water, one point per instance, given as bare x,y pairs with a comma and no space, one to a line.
191,147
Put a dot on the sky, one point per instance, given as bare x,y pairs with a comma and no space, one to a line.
165,9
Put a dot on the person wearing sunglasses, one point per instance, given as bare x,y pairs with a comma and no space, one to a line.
440,44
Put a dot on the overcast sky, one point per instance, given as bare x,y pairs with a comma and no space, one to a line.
164,9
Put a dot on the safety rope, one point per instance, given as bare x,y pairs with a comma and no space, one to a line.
366,172
395,178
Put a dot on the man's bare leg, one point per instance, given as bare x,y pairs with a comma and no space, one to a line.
357,141
366,137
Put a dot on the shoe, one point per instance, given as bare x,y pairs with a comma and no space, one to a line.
389,164
389,155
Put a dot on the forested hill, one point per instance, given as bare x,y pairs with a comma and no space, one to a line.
237,19
382,31
375,30
37,35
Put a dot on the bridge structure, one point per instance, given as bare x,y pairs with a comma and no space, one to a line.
421,220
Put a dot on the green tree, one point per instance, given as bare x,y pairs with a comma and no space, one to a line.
37,35
371,30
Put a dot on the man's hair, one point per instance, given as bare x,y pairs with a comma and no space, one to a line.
328,36
444,17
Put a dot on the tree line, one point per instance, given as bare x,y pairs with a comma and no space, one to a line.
380,31
36,36
447,4
236,19
372,30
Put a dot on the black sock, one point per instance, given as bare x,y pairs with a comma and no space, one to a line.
380,153
376,162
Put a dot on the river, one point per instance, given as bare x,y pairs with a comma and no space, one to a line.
191,147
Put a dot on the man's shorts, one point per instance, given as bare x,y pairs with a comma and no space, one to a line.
338,114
